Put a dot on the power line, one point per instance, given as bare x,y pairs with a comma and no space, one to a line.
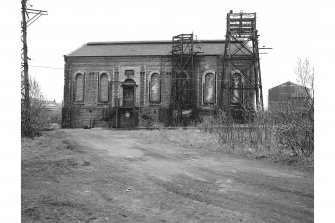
48,61
91,71
48,67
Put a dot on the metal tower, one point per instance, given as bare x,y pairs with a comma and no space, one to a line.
241,84
183,91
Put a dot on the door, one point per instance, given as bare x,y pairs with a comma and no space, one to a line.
128,93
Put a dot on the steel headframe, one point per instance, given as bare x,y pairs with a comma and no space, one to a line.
241,85
183,90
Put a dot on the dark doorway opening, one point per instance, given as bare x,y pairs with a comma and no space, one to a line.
128,93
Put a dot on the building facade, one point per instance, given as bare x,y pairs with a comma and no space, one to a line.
128,84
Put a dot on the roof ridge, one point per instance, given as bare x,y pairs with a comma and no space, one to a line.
143,48
148,42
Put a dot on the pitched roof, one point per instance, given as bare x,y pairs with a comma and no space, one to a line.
287,84
141,48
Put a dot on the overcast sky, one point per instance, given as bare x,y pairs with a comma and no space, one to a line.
292,28
286,26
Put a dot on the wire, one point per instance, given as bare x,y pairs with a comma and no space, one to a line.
47,67
70,69
49,61
161,78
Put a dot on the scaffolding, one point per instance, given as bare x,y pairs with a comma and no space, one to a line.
183,99
241,84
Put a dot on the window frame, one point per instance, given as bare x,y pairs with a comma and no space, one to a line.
183,83
239,85
99,86
150,89
129,73
75,75
212,72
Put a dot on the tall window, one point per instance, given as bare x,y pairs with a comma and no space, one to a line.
79,87
103,87
182,88
237,91
209,89
155,89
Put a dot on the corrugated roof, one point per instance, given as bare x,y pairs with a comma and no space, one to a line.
141,48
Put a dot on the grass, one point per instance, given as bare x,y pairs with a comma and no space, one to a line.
249,141
46,161
194,138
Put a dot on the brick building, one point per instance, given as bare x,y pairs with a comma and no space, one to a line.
128,84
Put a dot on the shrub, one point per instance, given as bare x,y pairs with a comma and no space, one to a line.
294,128
35,118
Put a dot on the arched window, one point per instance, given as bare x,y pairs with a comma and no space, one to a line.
237,88
155,89
182,88
209,89
79,87
103,87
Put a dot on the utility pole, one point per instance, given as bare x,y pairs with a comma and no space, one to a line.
29,16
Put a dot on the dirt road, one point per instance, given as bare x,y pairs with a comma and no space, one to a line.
127,176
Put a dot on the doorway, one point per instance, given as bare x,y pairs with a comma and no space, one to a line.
129,93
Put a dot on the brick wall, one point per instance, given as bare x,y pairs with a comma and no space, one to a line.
91,108
91,88
208,64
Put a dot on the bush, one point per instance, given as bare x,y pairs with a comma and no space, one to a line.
294,128
34,119
256,135
294,117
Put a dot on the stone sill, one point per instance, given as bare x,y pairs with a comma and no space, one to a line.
79,103
155,104
209,106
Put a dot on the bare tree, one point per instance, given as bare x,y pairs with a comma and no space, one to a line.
38,116
305,77
294,116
